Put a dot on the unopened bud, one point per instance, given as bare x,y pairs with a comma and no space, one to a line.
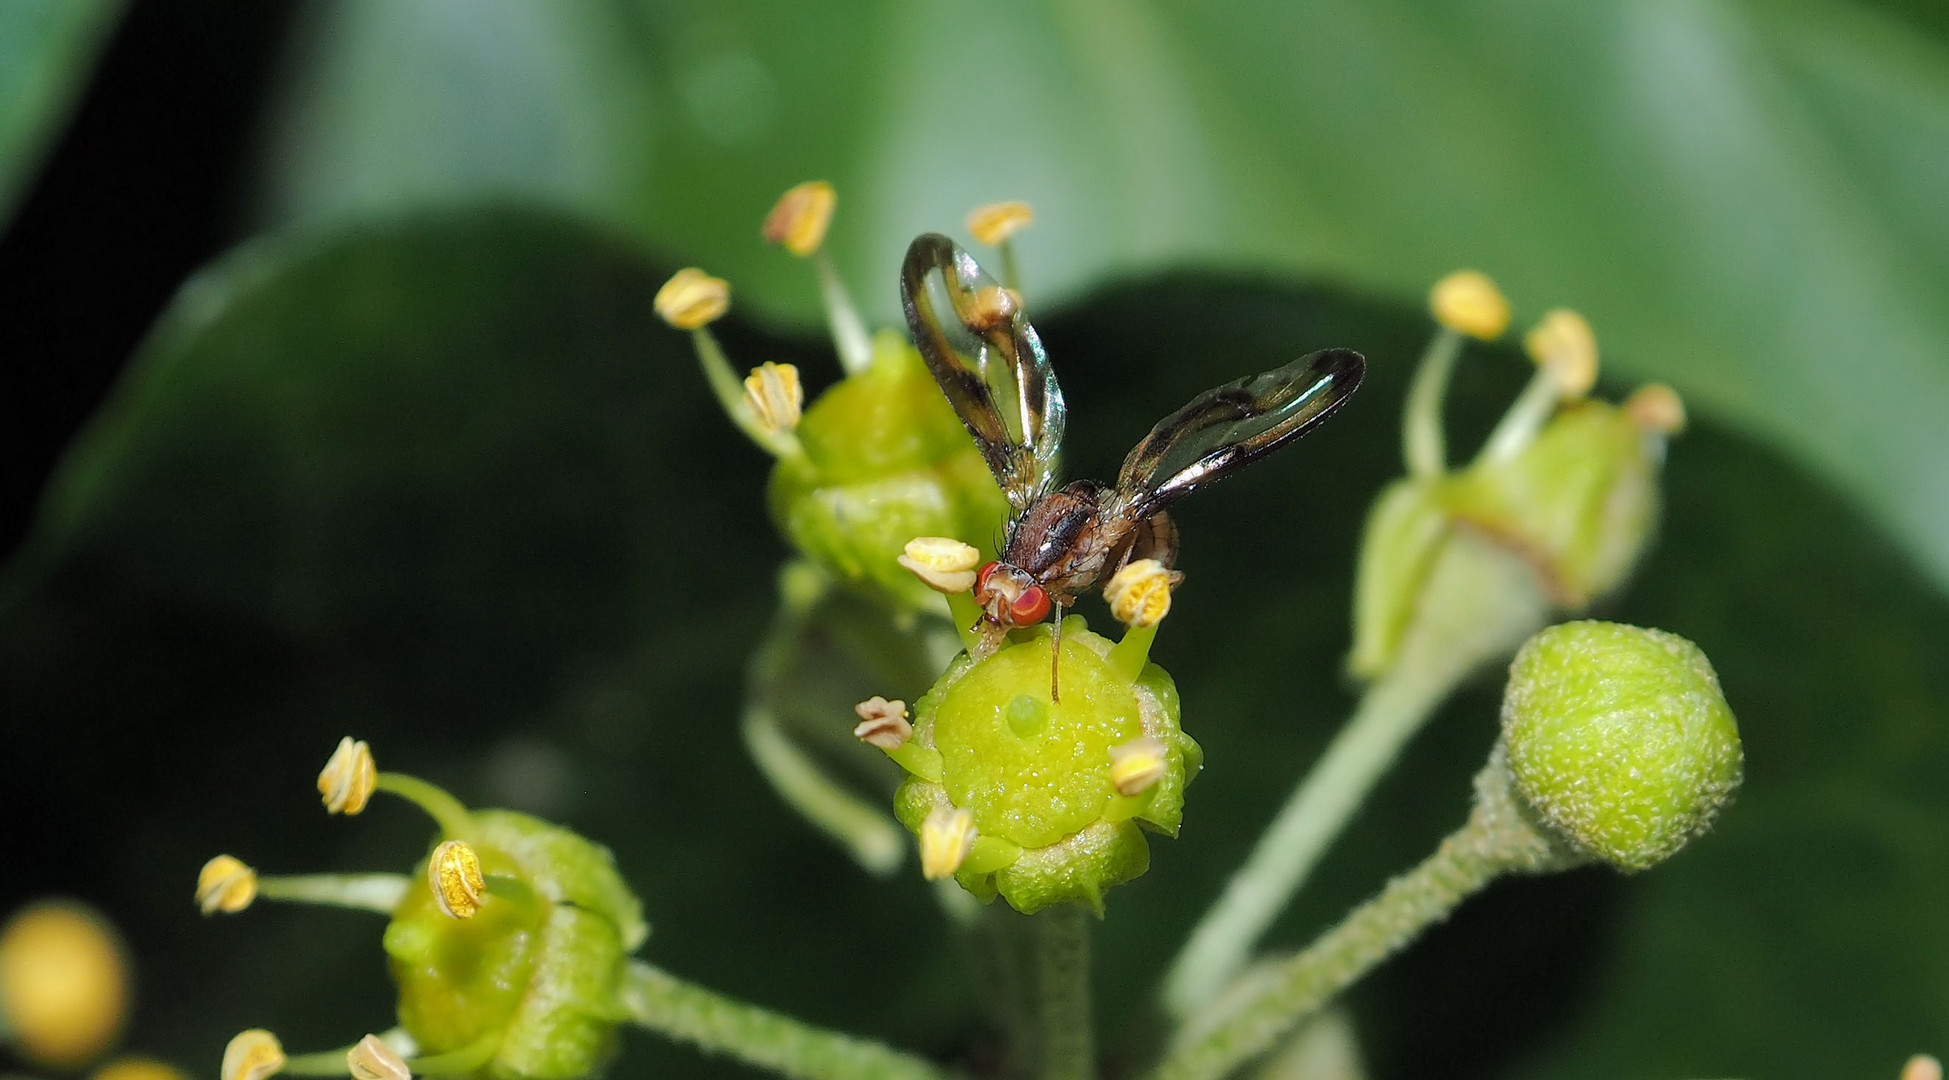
348,778
946,837
252,1055
1136,766
883,723
225,884
371,1059
775,396
1563,345
692,298
945,564
996,222
454,873
1620,738
798,220
1140,594
1656,407
1468,302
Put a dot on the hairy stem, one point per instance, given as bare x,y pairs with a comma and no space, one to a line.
1065,1024
1481,603
1497,839
661,1002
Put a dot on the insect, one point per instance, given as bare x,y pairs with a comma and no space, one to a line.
1064,541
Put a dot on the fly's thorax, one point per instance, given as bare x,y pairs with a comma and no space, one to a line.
1063,540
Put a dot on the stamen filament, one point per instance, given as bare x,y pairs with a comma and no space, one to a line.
323,1063
1423,442
728,385
849,336
1128,656
1518,427
1011,279
364,892
445,810
967,616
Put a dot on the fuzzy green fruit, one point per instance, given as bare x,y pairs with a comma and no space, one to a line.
1620,739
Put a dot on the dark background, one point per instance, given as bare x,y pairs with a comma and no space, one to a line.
149,728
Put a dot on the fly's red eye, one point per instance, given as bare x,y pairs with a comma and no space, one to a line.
1031,606
982,575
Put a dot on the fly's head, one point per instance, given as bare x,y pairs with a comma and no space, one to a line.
1010,595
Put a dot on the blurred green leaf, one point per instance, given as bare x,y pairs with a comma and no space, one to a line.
46,50
446,484
1745,196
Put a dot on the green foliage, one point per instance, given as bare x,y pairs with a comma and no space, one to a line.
46,49
447,484
1620,738
1744,197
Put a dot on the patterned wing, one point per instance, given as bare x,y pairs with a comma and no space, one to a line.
988,362
1227,426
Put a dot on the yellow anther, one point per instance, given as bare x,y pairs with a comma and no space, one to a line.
692,298
1140,593
225,884
798,220
371,1059
1656,407
348,778
138,1068
1563,345
453,871
996,222
1922,1067
1137,765
943,564
63,986
992,306
946,837
252,1055
775,396
1468,302
883,723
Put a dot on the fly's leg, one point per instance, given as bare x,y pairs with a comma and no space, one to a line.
1055,654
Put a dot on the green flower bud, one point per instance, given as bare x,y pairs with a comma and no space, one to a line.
1620,739
538,962
885,460
1578,503
1041,779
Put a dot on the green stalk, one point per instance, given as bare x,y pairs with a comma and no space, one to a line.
661,1002
1064,1021
1497,839
1480,603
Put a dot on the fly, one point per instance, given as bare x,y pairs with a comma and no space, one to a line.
1062,542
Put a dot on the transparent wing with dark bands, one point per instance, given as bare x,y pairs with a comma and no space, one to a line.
988,361
1227,426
